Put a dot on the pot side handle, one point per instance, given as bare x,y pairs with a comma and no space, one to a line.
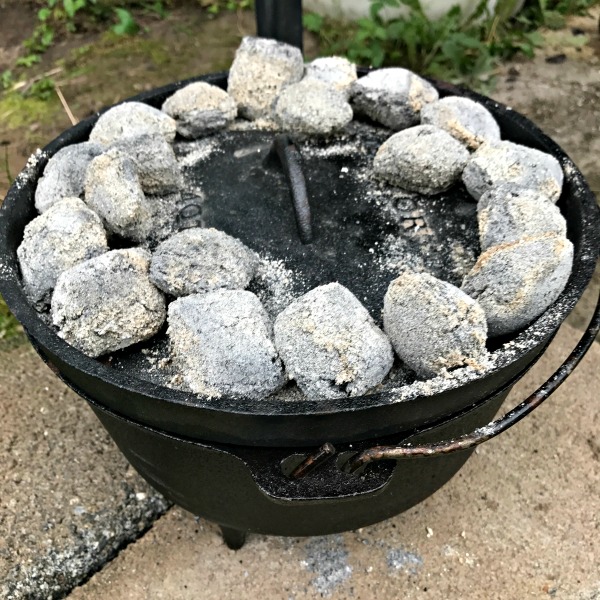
483,434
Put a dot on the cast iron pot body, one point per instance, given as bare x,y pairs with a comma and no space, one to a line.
225,459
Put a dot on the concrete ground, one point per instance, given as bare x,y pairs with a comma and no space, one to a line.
521,519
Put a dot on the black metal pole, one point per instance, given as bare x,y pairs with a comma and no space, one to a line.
280,20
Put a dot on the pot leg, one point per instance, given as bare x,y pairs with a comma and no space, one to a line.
234,538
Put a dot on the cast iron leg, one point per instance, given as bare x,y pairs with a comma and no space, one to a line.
234,538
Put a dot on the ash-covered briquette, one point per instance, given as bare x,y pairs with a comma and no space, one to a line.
423,159
64,175
393,97
113,190
260,70
223,345
163,215
433,326
202,260
65,235
312,107
157,167
464,119
517,282
508,213
335,71
132,119
200,109
108,303
506,162
330,344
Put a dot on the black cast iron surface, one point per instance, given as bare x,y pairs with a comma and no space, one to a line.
272,422
245,489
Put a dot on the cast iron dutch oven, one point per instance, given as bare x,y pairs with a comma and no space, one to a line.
306,468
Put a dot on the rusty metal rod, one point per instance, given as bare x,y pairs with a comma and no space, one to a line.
291,161
311,462
494,428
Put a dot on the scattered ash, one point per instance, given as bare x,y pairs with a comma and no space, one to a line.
275,285
327,557
30,171
256,125
190,154
400,559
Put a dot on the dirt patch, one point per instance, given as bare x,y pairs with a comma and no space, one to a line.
17,23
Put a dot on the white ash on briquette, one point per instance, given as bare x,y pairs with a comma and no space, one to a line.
464,119
434,326
202,260
223,344
132,119
423,159
335,71
506,162
509,213
516,282
200,109
64,175
154,158
114,191
330,344
393,97
259,72
140,180
312,107
66,234
108,303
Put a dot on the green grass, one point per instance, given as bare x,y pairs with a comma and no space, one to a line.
458,48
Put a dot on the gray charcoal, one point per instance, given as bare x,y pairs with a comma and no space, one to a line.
202,260
223,345
517,282
434,326
312,107
508,213
393,97
65,235
505,162
132,119
108,303
423,159
335,71
200,108
467,121
113,190
260,70
330,344
162,216
157,166
64,175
